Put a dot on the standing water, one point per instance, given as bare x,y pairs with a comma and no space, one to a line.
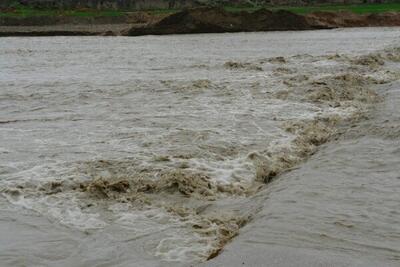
163,150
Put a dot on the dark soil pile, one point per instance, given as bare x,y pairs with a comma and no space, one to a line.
217,20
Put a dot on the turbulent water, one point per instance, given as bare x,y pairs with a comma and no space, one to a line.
159,150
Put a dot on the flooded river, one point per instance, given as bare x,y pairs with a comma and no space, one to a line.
238,148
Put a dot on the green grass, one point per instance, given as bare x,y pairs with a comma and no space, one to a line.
23,11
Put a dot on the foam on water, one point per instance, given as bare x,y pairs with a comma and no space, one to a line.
167,152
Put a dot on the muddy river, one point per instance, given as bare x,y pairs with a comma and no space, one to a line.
213,149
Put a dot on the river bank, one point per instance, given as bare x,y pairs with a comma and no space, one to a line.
196,20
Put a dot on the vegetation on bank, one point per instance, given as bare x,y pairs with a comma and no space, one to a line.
26,11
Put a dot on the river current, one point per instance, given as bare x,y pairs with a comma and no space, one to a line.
175,150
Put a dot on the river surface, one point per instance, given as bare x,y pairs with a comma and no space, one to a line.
153,151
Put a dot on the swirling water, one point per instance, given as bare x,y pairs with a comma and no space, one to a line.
74,109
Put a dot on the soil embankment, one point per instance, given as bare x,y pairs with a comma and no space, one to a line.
348,19
70,25
63,30
217,20
195,20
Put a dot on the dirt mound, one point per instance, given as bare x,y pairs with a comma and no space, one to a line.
217,20
348,19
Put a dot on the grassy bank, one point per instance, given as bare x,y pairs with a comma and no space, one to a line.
23,11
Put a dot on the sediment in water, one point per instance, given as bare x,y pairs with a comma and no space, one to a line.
193,195
170,189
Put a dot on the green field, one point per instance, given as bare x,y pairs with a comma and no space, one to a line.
23,11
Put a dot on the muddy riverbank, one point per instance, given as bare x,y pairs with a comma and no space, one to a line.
196,20
64,30
216,20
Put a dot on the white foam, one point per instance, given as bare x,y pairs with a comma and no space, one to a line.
61,209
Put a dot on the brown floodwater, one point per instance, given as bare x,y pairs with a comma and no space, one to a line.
153,151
